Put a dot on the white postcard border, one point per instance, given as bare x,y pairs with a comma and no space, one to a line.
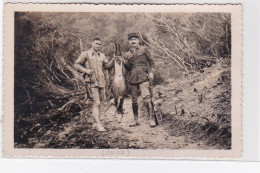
236,19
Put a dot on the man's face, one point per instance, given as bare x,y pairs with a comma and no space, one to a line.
133,42
96,45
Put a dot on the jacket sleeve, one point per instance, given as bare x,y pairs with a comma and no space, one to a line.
150,60
108,64
79,64
128,64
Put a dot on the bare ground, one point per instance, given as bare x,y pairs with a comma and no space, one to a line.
143,136
79,133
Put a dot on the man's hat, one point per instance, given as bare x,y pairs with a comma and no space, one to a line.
96,38
132,35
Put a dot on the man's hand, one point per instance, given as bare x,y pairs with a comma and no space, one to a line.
150,76
89,71
120,58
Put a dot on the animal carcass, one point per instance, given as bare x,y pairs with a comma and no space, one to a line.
118,86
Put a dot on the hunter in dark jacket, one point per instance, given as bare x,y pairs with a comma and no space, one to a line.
139,63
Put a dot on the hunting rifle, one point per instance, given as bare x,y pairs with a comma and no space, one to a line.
156,113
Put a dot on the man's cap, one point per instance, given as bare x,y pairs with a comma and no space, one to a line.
96,38
132,35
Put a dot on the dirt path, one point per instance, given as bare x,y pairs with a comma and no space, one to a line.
143,136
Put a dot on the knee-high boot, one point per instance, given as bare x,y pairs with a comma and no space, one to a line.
135,112
151,114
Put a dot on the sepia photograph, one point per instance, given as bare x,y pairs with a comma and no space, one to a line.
123,80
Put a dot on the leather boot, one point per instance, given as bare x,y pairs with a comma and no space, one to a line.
135,122
151,114
135,111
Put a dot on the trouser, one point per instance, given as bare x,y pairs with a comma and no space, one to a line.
98,95
145,93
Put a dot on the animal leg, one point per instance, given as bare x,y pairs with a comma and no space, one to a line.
119,109
111,102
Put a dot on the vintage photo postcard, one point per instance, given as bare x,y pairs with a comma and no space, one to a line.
123,81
